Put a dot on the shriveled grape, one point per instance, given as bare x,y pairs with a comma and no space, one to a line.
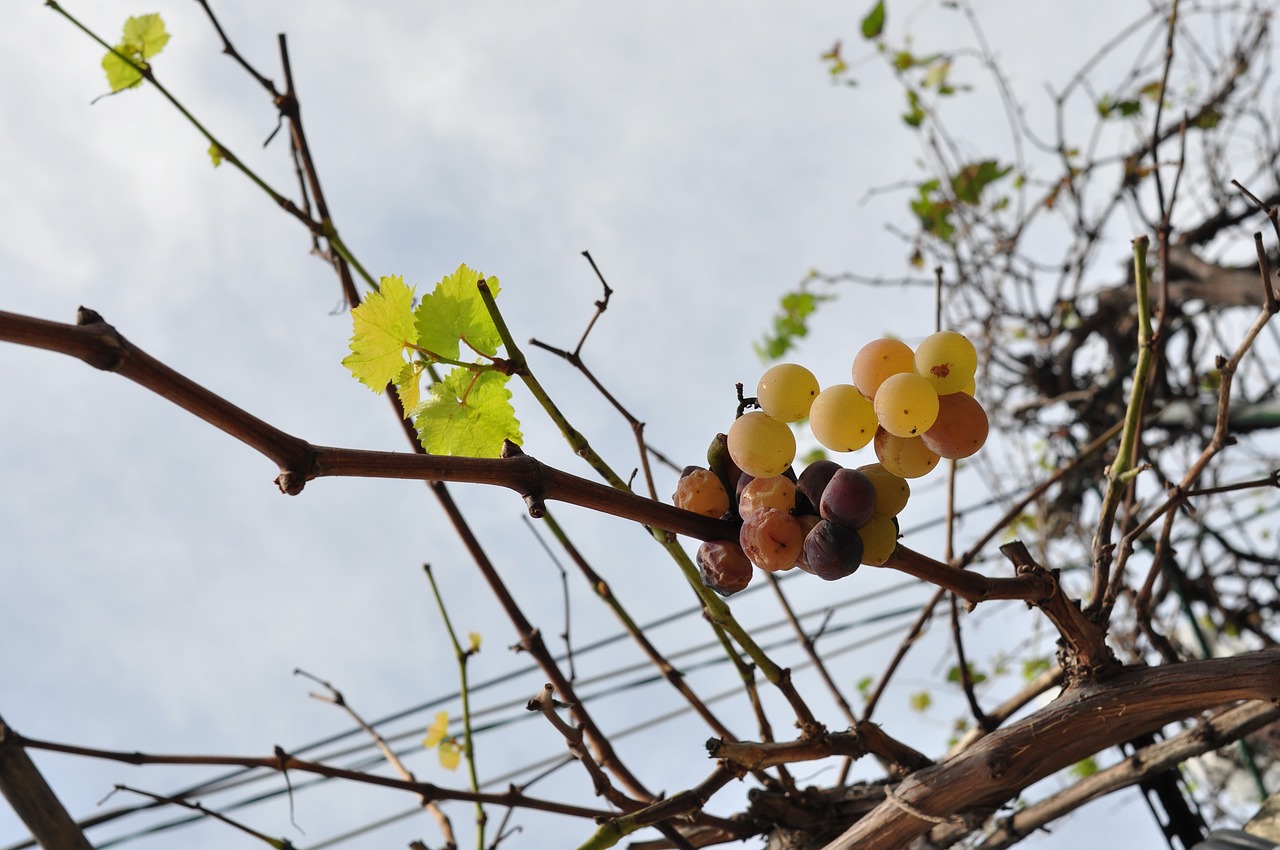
849,499
832,551
723,566
760,445
699,490
786,391
961,427
842,419
777,492
772,539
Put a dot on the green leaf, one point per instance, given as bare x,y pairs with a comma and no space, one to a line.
436,731
450,754
1084,768
1208,119
790,323
864,686
468,414
143,38
975,676
873,23
968,182
1033,667
215,154
454,311
381,328
921,701
914,116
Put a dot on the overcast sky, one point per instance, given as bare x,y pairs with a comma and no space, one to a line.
158,591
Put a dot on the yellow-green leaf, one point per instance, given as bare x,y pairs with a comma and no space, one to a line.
381,328
468,414
474,638
144,36
215,154
450,754
436,731
454,312
408,383
121,73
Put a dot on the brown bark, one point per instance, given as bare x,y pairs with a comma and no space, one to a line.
33,800
1081,722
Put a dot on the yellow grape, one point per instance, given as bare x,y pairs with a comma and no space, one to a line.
785,392
841,419
906,404
961,427
892,491
879,359
947,360
760,445
879,539
905,457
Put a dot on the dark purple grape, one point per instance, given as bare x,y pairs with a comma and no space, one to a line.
724,566
814,480
832,551
849,499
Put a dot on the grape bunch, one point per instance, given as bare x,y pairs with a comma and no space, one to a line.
913,407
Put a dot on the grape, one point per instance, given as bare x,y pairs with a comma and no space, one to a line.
772,539
947,360
842,419
832,551
720,462
906,404
761,445
879,359
724,566
961,428
879,539
778,492
700,491
785,392
813,480
807,522
892,492
849,499
905,457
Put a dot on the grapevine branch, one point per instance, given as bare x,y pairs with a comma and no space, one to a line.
103,347
32,799
1084,720
284,762
1209,735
